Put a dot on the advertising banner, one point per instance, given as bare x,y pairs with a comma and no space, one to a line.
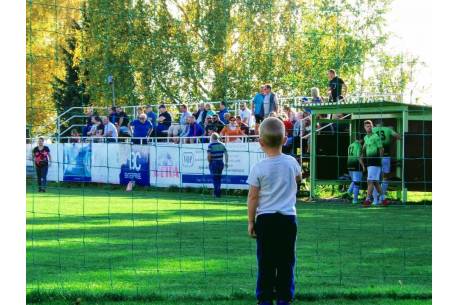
136,165
77,161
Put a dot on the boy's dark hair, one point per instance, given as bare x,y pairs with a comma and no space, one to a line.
272,132
332,71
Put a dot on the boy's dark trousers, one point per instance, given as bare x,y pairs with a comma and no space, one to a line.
276,237
216,167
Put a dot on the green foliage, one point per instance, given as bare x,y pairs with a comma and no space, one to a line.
189,50
69,91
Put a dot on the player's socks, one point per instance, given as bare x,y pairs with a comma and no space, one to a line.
350,189
384,188
375,195
355,193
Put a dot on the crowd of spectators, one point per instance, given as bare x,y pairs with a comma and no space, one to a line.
197,125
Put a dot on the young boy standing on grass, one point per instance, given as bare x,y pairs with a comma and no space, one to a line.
272,215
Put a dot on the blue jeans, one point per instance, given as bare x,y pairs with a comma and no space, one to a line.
216,168
276,238
42,171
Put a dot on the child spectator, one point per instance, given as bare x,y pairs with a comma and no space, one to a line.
272,215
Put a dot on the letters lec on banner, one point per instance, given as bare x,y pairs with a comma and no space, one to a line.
160,165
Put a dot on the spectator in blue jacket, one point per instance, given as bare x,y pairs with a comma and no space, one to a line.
222,112
257,107
192,130
140,129
151,116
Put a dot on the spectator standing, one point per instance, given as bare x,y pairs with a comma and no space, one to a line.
110,131
140,129
231,131
291,114
337,87
245,114
209,110
257,107
316,98
41,156
272,215
270,101
151,116
123,122
216,153
222,112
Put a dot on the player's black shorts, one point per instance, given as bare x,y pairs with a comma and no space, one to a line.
259,118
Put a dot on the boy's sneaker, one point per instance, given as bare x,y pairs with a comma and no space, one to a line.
367,203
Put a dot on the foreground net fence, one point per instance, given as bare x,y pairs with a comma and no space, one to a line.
95,240
89,236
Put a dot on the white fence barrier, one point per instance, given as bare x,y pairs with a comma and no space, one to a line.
159,165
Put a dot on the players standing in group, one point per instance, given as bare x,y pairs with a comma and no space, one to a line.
386,135
355,164
373,151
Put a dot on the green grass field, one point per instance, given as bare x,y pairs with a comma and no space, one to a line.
106,246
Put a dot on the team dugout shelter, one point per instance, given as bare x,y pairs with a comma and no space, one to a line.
335,125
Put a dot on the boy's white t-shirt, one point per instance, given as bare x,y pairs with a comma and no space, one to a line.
276,178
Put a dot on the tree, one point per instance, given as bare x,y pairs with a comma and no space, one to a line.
69,91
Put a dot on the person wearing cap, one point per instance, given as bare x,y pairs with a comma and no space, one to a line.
164,121
151,116
216,153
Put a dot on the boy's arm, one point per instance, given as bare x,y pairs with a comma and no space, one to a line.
253,202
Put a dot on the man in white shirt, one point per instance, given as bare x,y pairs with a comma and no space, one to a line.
245,114
110,131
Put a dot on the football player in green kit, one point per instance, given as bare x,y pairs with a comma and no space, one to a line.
354,165
386,135
373,150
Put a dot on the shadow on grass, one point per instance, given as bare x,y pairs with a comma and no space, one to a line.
200,253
